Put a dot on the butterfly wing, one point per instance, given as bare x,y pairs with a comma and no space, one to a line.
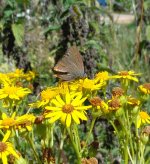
70,66
76,58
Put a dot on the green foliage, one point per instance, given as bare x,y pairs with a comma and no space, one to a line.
18,31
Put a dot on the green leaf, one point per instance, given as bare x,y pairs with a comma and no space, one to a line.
148,32
18,31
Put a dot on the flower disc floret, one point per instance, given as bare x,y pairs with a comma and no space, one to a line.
114,104
3,147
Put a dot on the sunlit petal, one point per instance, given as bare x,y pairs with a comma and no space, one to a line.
75,118
81,115
57,103
68,98
68,120
60,100
53,119
52,108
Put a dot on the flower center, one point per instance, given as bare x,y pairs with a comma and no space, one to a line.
146,86
3,147
117,91
68,108
96,101
124,73
114,104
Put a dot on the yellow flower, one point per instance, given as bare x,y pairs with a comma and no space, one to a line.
13,92
63,87
99,104
89,84
143,118
17,122
102,76
145,88
7,122
25,122
133,101
17,74
46,96
117,92
30,75
68,109
66,86
130,75
4,79
6,148
114,104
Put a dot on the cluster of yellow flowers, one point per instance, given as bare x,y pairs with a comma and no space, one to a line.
67,102
13,90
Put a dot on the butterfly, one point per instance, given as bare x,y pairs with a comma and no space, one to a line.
70,66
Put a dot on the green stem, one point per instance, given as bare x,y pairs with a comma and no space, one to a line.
61,145
88,136
130,135
77,138
33,148
70,132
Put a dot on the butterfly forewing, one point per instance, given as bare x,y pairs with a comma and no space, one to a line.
70,66
76,57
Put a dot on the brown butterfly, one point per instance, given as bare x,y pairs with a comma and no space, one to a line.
71,66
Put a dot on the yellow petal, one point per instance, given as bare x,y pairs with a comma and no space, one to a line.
83,107
52,108
76,100
82,100
57,103
4,116
6,136
60,100
68,98
11,150
63,118
68,120
81,115
53,119
75,118
4,159
138,123
53,114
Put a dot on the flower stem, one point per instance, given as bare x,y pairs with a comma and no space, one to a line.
33,148
61,145
88,136
75,146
